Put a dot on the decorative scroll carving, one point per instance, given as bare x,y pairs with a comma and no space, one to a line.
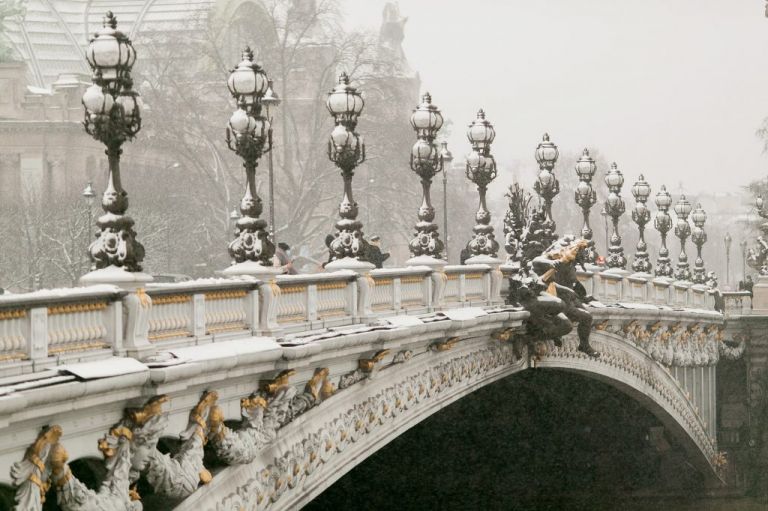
308,456
677,345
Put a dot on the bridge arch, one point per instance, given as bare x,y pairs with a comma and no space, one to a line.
320,446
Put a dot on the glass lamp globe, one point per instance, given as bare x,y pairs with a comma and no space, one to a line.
546,153
699,216
426,118
585,166
641,189
110,52
240,121
583,190
481,132
423,150
247,80
663,198
614,178
475,160
96,102
546,179
344,100
445,154
683,207
341,136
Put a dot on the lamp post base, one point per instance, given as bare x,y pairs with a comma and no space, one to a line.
438,277
137,304
495,277
253,269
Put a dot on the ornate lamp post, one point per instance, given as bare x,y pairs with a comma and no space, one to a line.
682,230
547,186
615,207
481,170
663,223
641,215
743,246
699,237
271,100
426,162
447,158
728,240
248,136
347,150
586,197
112,117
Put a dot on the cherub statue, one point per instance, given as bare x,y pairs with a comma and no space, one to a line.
556,268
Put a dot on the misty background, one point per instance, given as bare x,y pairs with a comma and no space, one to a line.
674,91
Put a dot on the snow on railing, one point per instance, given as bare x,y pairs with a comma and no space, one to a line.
614,286
39,330
43,328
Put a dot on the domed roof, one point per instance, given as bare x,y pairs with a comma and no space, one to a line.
53,34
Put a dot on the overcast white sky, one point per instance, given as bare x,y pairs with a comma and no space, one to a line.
674,89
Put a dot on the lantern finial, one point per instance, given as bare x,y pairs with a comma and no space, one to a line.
110,20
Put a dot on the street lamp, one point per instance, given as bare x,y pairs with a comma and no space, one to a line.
89,195
547,186
271,100
447,158
728,240
743,246
682,230
663,223
614,206
586,197
641,215
112,116
426,162
481,170
247,136
347,150
699,237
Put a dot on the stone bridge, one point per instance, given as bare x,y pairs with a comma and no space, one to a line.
293,382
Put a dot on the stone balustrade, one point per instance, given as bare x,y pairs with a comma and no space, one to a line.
615,286
47,328
42,329
737,303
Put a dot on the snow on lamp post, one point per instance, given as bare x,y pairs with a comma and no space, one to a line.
481,170
347,150
248,136
586,197
641,215
663,223
614,206
683,230
547,186
699,237
426,162
112,116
